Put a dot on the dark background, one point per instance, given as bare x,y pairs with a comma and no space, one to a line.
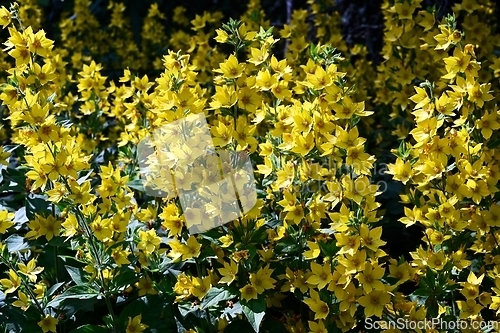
361,23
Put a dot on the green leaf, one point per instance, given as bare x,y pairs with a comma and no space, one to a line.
256,305
329,249
186,309
254,318
76,275
333,328
125,278
36,204
492,144
14,180
216,295
90,329
16,243
54,288
76,298
430,278
402,148
156,313
136,184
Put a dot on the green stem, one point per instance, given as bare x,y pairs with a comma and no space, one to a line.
56,251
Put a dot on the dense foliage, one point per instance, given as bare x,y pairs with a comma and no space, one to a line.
356,153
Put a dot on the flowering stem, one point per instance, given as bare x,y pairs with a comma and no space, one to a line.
93,251
25,284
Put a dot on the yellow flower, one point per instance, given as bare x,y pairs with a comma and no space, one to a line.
258,55
371,238
262,280
171,220
248,99
183,286
134,325
404,10
101,228
248,292
313,252
265,81
4,156
487,124
12,283
191,249
222,134
281,91
48,324
437,260
347,108
480,94
469,290
228,272
425,130
374,302
426,20
436,237
353,263
360,161
70,226
401,170
120,256
23,301
370,277
224,97
44,226
226,240
22,55
420,98
401,272
200,287
146,286
38,43
348,297
320,308
222,36
348,243
319,79
458,63
5,221
30,270
148,241
318,327
447,37
469,309
322,275
231,68
5,17
478,189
